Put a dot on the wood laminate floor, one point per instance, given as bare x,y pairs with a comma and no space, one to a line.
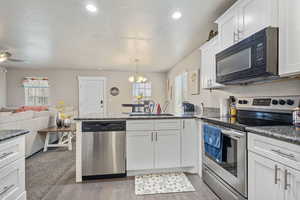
120,189
51,176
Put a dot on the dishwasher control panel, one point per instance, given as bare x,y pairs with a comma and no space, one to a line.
97,126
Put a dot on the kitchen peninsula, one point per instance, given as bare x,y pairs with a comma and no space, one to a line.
156,143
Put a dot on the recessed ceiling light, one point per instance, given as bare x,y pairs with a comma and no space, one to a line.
91,8
176,15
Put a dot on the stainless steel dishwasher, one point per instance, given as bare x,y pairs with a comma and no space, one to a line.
103,149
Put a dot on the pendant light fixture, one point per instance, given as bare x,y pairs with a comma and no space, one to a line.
137,78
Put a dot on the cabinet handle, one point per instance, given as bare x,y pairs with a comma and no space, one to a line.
286,184
276,174
238,34
5,155
183,124
234,37
151,136
290,156
5,189
156,136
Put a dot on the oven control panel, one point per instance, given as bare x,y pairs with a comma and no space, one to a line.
276,102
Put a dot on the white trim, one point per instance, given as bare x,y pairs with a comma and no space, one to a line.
78,152
100,78
92,78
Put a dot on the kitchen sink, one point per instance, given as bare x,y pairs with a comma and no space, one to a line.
150,115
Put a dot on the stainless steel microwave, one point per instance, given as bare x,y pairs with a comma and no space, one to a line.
252,59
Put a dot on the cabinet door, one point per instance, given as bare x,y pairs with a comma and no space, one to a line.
205,72
289,40
189,143
227,26
255,15
208,64
167,149
140,150
261,178
293,184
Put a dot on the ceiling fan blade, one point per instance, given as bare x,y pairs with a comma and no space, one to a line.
15,60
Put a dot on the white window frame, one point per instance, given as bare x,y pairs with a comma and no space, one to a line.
146,89
36,94
180,91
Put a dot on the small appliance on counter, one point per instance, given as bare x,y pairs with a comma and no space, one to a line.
188,108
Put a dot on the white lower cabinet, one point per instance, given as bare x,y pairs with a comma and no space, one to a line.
292,184
261,178
273,169
189,143
170,144
12,169
140,150
167,149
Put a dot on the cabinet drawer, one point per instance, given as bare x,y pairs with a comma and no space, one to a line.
139,125
167,124
12,180
12,150
286,153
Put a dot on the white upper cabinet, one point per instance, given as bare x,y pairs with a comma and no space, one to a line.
289,40
245,18
255,15
208,64
227,26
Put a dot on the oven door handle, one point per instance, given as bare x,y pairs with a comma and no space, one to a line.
233,134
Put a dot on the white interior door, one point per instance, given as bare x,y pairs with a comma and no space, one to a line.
92,95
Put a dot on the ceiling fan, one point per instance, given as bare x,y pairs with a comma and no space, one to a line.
7,56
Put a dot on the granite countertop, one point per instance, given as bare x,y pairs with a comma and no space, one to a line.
284,133
8,134
288,134
127,117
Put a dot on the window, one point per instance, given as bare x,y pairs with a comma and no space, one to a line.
142,89
180,91
36,91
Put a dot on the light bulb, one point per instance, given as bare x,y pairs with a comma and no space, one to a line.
131,79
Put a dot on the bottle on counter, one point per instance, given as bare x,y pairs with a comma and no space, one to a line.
233,110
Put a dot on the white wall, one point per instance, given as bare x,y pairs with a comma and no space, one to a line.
2,87
211,98
64,86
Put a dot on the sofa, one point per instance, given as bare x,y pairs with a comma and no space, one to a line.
32,121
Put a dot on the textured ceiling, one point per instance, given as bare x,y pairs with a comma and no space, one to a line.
62,34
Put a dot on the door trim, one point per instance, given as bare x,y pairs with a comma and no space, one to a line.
100,78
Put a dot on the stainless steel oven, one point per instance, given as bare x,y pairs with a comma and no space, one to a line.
253,59
228,177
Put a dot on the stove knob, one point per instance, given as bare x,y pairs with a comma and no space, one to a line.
290,102
275,102
282,102
245,102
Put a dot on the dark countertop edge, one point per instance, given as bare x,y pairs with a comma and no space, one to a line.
274,135
134,118
256,130
13,135
225,124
